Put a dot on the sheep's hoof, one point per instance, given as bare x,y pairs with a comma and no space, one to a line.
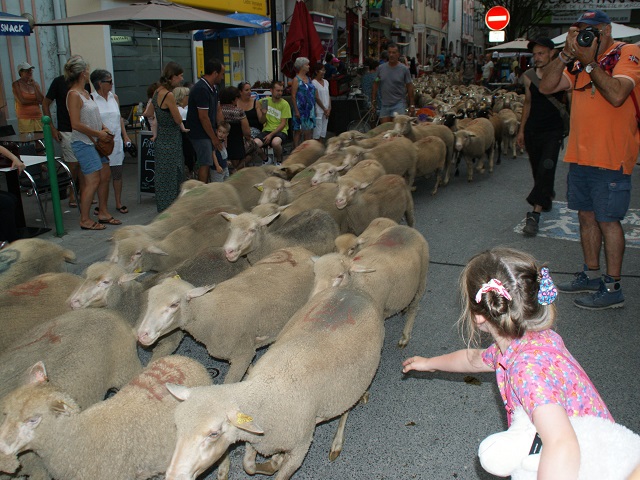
364,399
334,454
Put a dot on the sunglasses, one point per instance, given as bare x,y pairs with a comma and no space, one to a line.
108,81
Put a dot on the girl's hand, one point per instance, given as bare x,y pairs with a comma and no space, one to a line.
419,364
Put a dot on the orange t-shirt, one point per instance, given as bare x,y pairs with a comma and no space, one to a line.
602,135
28,112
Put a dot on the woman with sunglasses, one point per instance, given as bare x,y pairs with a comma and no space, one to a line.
109,106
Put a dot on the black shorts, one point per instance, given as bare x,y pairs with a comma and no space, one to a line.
280,135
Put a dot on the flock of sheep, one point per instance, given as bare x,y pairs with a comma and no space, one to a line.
307,257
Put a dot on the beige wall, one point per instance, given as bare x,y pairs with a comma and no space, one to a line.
91,42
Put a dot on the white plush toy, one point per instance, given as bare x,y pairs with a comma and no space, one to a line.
608,451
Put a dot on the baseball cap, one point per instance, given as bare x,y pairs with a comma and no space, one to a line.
25,66
544,41
335,60
594,17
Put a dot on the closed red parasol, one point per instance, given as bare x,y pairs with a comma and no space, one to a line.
302,40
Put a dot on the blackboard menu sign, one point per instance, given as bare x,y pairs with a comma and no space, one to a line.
146,163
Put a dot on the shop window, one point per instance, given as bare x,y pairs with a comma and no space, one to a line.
136,61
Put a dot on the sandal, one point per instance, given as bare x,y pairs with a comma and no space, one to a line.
123,209
94,226
73,205
110,221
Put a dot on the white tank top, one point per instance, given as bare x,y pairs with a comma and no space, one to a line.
89,115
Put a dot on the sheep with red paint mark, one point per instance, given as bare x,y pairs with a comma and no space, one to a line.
231,323
300,381
349,244
392,269
130,435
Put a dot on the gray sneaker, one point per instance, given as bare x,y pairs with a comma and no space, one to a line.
580,283
531,227
609,295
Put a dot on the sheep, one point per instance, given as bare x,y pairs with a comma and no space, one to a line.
142,254
431,157
287,172
392,269
397,156
348,244
388,196
317,369
510,127
88,352
31,303
26,258
280,191
243,181
229,321
496,121
306,153
473,142
325,172
131,435
379,129
209,266
314,230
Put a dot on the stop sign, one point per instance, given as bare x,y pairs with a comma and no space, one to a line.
497,18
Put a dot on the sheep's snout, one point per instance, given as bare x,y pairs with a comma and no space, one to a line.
231,254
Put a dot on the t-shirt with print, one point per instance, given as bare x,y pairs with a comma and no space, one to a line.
612,132
202,96
393,83
275,113
538,377
222,157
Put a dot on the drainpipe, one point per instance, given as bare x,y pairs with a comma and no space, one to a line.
60,35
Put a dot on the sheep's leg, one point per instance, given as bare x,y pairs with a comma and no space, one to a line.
292,461
490,157
447,167
438,181
238,368
167,345
224,465
272,465
469,161
338,439
409,212
249,459
411,313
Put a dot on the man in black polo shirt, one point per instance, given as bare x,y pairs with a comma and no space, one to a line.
203,116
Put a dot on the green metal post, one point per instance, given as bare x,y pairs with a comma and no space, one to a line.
53,176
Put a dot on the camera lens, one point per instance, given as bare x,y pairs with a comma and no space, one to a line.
585,38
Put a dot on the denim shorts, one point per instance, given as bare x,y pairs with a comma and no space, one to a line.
204,151
88,158
607,193
388,110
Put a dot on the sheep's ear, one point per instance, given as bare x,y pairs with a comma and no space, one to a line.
290,184
258,186
198,292
282,208
340,168
244,422
156,250
364,185
37,373
129,277
356,268
60,408
228,216
181,392
114,256
415,121
471,134
268,219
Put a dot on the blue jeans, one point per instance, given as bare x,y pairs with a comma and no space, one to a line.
388,110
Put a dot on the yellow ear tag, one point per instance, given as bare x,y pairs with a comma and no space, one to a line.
177,277
260,188
137,270
243,418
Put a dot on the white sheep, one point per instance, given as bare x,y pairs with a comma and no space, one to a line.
510,127
388,196
209,266
231,322
473,142
318,369
314,230
349,244
31,303
431,157
26,258
282,192
243,181
397,156
306,153
325,172
130,435
392,269
143,254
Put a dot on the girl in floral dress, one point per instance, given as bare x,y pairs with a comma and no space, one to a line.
506,294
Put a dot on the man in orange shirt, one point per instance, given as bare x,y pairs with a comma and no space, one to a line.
602,148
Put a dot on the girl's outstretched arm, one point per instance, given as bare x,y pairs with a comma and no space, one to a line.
466,360
560,458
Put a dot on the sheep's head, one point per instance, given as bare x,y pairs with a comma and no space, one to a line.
273,189
335,270
325,172
348,188
102,287
25,408
402,124
245,233
208,421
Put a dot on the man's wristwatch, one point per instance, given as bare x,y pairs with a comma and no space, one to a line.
589,68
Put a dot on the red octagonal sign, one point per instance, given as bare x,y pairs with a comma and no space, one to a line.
497,18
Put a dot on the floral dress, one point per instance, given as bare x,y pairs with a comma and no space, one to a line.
168,155
306,101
